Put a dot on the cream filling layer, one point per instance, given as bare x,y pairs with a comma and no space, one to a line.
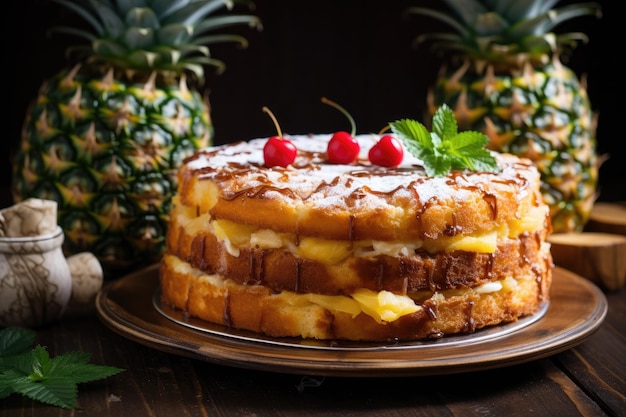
236,236
382,306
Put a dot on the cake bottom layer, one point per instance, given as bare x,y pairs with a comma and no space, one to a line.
289,314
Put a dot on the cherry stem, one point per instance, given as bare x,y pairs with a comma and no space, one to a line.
268,111
344,111
384,129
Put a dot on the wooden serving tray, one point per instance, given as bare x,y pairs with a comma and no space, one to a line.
577,307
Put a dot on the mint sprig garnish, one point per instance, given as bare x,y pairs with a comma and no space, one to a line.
445,148
33,373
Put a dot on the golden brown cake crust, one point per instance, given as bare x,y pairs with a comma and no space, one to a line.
258,309
352,202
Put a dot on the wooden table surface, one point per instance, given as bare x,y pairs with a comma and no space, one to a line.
587,380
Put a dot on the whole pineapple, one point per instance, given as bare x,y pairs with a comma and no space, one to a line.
105,135
503,75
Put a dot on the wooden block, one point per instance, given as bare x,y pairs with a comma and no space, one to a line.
608,218
600,257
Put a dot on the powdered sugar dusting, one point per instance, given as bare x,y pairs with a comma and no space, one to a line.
315,181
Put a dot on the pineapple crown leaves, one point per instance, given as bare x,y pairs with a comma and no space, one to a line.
163,35
445,148
494,29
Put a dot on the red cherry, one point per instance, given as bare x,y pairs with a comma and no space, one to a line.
343,148
387,152
279,152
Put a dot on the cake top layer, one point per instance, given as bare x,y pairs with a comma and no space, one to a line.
359,200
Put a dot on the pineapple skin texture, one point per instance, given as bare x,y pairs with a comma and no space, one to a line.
541,113
108,151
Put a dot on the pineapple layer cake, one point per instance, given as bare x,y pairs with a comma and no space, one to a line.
354,251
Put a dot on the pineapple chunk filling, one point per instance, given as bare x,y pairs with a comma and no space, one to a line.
382,306
235,236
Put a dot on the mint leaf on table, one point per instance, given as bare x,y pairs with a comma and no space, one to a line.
445,148
15,340
34,374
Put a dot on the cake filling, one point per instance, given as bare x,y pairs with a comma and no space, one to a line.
236,236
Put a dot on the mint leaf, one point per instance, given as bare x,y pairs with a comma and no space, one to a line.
60,392
34,374
74,365
7,377
445,148
15,340
14,356
40,364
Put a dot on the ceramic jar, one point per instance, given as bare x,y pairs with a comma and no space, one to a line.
35,279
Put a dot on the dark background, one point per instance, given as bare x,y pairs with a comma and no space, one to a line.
358,53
